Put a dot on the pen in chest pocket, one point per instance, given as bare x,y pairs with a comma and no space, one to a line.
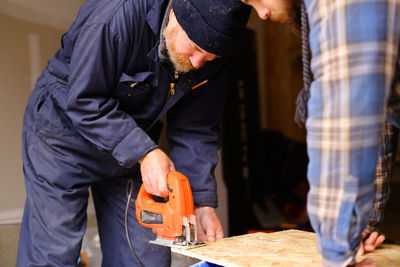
199,84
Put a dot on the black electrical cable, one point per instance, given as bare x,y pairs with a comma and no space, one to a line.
129,192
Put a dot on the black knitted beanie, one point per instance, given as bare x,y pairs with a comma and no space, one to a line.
214,25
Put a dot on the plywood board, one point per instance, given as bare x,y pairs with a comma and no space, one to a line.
289,248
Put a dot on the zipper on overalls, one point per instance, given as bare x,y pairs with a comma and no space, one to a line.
172,84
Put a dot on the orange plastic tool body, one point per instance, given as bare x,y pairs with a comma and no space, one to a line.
178,209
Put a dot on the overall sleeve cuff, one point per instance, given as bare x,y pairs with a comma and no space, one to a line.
133,147
209,199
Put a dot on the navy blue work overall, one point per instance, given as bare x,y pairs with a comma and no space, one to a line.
89,120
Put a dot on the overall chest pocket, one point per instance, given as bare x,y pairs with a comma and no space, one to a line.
132,91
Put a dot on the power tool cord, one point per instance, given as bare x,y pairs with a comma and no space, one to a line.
129,192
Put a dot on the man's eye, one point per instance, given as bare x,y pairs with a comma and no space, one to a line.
193,46
196,48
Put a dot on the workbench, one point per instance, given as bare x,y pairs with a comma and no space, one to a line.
291,248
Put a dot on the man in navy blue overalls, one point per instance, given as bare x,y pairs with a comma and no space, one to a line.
91,121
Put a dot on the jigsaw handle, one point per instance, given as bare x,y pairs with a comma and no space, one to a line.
166,218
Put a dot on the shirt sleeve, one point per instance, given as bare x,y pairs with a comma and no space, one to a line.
354,46
97,60
384,171
194,137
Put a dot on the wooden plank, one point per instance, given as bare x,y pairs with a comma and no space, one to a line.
291,248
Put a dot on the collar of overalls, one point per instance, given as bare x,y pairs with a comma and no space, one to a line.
154,19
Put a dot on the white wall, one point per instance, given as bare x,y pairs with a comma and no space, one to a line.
30,33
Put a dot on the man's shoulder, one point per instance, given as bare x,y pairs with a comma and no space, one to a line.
104,11
142,6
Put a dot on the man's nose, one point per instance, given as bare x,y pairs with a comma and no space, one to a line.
198,59
263,13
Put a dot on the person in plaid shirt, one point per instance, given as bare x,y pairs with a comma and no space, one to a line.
356,70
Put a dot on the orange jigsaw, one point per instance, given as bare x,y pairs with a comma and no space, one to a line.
173,221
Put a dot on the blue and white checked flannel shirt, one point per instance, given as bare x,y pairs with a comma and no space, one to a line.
354,46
